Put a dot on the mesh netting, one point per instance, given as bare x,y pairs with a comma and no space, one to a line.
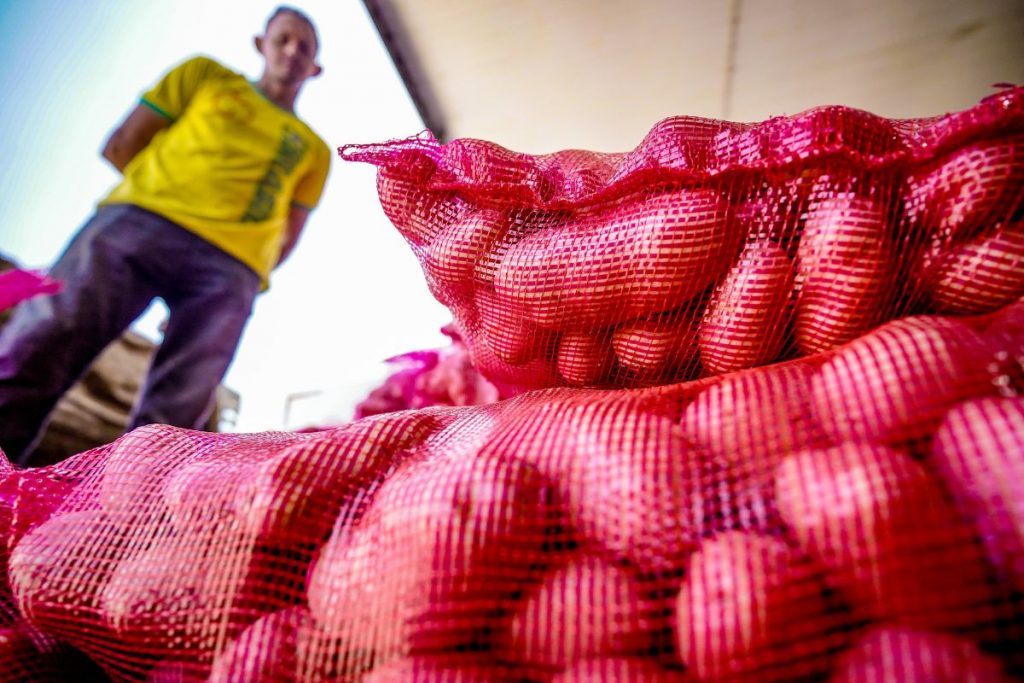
799,521
17,285
798,454
713,246
430,377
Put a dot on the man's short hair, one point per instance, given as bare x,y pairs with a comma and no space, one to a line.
298,14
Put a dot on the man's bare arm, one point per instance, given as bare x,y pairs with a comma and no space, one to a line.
132,136
297,217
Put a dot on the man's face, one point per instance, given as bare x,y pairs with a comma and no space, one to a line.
289,48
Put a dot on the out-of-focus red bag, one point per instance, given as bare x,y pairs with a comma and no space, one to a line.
18,285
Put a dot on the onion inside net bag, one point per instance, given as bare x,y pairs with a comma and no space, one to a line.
712,246
847,508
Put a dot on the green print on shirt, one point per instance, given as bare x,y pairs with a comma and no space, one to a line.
287,158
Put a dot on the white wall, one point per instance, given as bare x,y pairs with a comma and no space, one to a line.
537,75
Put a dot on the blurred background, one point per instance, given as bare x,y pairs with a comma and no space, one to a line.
532,75
597,74
352,293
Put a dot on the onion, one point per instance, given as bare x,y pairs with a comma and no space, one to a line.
746,321
585,608
751,606
845,266
978,451
887,654
881,526
897,382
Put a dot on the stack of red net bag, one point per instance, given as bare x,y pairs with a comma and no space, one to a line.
19,285
762,420
430,377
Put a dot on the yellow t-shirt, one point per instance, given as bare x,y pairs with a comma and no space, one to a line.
229,166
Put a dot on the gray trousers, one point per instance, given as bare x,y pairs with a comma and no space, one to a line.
120,260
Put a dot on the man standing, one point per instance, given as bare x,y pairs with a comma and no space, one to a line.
219,179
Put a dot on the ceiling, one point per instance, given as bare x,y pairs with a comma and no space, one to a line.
542,75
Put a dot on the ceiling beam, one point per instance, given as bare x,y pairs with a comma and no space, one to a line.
403,55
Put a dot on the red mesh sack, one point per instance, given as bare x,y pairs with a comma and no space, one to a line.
399,390
435,377
18,285
848,516
712,246
173,541
29,656
27,499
